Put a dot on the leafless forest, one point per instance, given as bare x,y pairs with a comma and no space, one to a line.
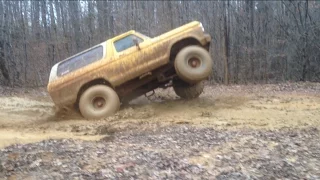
253,41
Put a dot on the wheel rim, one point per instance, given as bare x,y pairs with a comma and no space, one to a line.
194,62
98,102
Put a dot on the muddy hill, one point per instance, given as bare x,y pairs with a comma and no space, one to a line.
230,132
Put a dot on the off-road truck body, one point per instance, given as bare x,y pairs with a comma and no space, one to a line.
97,80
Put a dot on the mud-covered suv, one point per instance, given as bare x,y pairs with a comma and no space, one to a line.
97,80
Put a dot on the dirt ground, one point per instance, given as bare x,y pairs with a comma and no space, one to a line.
230,132
30,116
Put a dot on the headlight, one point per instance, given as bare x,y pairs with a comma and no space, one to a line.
201,27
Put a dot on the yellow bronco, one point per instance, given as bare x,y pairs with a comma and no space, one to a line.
96,81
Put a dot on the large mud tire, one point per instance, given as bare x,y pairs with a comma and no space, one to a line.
186,90
193,64
99,101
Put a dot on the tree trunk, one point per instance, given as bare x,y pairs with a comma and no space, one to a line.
74,14
36,19
25,64
226,43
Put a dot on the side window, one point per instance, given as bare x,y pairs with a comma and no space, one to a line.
80,61
126,42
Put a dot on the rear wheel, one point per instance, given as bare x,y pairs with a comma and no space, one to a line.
186,90
99,101
193,64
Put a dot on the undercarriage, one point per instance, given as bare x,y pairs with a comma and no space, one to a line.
159,78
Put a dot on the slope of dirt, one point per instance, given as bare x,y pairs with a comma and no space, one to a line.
230,132
30,117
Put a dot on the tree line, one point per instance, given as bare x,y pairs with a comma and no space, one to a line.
252,41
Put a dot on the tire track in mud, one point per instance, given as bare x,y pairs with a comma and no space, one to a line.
28,119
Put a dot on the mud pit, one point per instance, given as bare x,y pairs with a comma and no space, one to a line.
31,117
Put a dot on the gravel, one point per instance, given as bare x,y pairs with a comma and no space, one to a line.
176,152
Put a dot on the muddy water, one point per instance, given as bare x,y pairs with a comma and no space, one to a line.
28,119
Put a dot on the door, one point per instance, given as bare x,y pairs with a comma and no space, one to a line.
130,56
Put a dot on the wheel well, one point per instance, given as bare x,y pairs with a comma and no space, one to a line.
89,84
181,44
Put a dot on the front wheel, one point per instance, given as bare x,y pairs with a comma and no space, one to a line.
193,64
188,91
99,101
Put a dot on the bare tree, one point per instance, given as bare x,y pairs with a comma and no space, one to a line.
252,41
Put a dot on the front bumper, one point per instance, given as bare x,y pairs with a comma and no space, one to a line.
207,37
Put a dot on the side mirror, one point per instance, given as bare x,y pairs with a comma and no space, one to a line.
136,42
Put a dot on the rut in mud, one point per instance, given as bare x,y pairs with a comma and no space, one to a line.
31,117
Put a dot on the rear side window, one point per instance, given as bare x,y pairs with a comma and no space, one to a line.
80,61
126,42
